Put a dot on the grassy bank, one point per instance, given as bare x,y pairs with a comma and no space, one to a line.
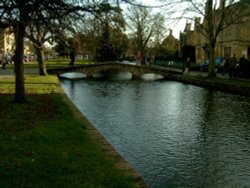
42,144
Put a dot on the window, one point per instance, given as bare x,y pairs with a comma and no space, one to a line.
227,51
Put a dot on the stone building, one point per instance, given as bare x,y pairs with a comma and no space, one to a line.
171,45
7,43
235,39
170,42
191,42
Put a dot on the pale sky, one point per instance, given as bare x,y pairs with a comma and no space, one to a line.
176,25
178,7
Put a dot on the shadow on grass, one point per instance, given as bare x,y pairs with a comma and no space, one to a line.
42,144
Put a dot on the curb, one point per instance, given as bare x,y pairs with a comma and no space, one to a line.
118,161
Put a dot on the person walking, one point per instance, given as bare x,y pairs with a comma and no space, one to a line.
223,65
188,64
242,66
232,65
183,66
138,57
72,57
1,58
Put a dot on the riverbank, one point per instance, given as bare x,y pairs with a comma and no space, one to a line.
220,83
35,150
40,148
224,84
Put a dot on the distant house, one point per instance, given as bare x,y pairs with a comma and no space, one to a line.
170,42
191,43
171,46
233,40
7,43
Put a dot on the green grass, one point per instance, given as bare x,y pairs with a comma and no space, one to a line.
52,63
42,143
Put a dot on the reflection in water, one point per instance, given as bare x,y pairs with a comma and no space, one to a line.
151,77
175,135
113,75
73,75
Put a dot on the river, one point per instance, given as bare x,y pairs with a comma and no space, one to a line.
173,134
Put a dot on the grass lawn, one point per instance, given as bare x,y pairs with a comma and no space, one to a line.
42,144
52,63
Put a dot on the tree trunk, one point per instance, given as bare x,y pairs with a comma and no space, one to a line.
19,69
211,67
211,39
40,59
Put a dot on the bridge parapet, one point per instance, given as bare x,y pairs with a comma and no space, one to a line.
135,70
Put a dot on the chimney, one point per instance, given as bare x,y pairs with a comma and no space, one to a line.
197,23
170,32
222,4
188,27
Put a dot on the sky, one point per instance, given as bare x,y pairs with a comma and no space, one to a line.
176,25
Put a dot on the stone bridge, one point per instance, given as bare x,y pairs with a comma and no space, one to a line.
135,70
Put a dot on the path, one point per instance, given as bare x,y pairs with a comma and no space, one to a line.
10,71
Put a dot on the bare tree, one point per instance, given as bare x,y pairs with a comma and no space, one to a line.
38,35
42,31
143,26
87,37
218,15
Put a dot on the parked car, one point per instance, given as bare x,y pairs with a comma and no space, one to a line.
204,65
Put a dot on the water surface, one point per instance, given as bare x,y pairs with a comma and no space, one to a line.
174,134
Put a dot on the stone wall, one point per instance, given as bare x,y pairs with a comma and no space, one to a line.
233,40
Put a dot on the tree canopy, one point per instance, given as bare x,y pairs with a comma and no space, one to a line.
19,14
40,19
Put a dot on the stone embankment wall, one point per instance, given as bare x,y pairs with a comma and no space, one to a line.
214,85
